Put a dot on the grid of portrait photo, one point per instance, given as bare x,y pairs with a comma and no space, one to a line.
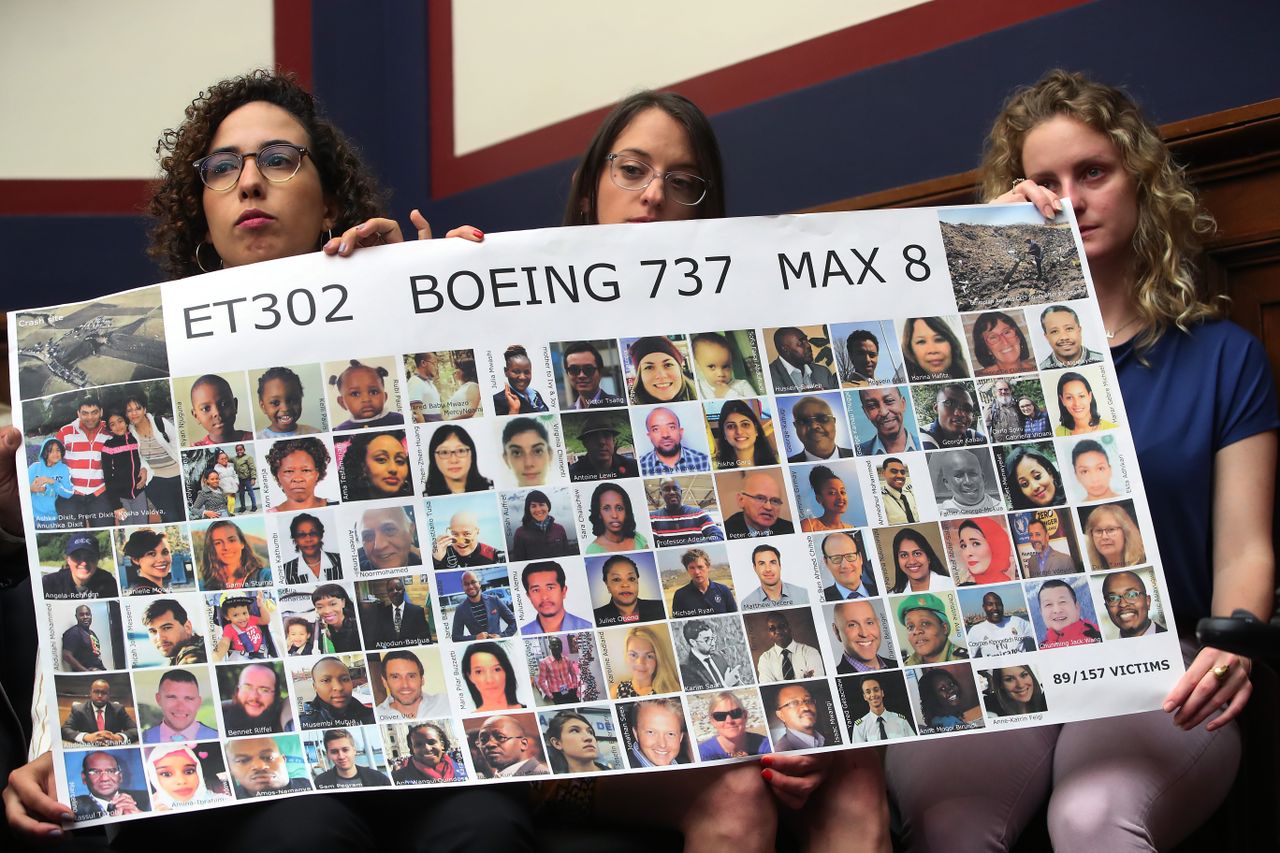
579,556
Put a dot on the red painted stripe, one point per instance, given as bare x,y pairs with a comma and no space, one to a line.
910,32
292,29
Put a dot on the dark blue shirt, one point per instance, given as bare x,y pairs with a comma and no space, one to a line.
1200,393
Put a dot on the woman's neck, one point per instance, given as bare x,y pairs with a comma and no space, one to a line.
746,457
627,611
615,537
580,765
1114,280
919,585
143,426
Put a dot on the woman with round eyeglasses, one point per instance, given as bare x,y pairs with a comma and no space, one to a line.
1113,539
452,467
732,739
1000,346
256,172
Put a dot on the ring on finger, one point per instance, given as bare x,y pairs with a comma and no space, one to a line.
1017,181
1221,671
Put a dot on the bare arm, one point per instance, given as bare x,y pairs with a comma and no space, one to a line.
1243,577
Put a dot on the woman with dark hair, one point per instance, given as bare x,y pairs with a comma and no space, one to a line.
210,501
376,465
490,679
983,550
306,190
516,397
830,493
931,350
1035,420
158,448
335,628
655,158
1077,407
624,177
941,702
613,521
572,745
299,464
740,438
150,562
228,562
122,472
464,402
307,186
1000,346
539,537
1032,480
918,566
1017,691
661,374
429,761
452,467
527,451
1140,781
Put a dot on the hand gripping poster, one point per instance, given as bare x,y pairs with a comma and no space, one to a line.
581,501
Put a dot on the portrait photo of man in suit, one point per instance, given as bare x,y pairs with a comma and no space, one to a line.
795,369
816,429
703,668
397,621
103,777
99,721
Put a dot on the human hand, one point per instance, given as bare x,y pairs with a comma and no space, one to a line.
29,804
1045,200
122,803
466,232
442,545
10,506
793,778
513,401
371,232
733,676
1199,692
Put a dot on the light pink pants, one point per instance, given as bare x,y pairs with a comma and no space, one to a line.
1134,783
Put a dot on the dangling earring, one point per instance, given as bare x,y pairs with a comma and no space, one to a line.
329,236
197,257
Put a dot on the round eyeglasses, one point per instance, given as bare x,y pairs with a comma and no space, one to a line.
630,174
278,162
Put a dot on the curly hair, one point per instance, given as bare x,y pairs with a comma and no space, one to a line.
177,202
313,447
1171,221
985,323
354,472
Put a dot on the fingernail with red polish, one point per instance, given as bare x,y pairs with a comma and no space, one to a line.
766,761
478,233
767,774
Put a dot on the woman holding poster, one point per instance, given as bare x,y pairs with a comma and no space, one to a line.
306,190
1145,780
655,158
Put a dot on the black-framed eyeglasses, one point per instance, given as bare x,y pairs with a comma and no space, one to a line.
629,173
278,162
731,714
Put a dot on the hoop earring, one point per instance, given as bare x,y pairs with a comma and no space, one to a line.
197,257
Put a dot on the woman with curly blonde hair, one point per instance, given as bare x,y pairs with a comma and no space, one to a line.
1202,410
1113,539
